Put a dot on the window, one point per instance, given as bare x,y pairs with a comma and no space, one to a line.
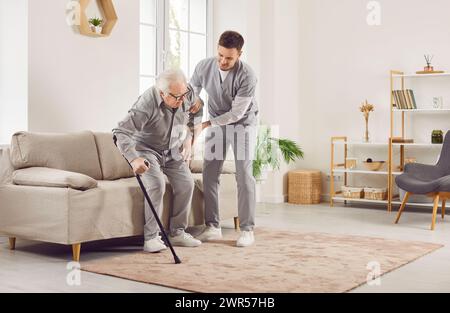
173,34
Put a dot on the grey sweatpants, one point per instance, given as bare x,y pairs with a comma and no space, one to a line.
218,141
182,183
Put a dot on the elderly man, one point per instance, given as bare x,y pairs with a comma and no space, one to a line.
155,131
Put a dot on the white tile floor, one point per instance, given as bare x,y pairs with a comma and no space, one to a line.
37,267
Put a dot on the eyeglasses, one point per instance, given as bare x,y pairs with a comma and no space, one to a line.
178,98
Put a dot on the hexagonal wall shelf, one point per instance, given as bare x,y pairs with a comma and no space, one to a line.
108,14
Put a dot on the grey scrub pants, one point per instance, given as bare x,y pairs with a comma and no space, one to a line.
182,183
243,148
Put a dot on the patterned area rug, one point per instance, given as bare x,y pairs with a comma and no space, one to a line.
280,261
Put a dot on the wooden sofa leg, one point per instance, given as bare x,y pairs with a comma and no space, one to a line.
402,207
435,207
236,223
443,208
12,243
76,250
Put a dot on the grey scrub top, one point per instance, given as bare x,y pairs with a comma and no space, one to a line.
240,82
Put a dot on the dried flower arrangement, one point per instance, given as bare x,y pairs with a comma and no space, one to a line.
366,108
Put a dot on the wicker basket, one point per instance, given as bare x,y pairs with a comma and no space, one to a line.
352,192
304,187
375,193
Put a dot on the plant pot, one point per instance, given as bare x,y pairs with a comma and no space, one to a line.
96,29
264,174
428,68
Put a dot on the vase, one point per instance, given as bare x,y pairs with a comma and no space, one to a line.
366,137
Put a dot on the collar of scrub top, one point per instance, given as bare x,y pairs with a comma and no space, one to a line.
232,72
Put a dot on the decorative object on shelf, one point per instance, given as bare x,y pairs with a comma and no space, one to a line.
109,18
350,163
96,24
375,193
373,165
437,137
352,192
402,140
269,150
304,187
428,58
366,108
429,69
410,160
438,102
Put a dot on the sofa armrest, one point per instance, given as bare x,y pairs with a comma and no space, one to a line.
6,167
50,177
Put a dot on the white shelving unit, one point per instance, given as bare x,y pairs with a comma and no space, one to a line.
336,196
365,172
401,77
422,110
390,173
418,75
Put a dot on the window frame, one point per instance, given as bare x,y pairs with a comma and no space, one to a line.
162,34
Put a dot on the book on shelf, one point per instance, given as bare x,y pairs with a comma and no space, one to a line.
404,99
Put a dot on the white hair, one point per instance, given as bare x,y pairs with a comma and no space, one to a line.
168,77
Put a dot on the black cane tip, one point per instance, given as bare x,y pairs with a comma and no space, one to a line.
177,260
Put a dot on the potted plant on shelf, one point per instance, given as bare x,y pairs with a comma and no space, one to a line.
269,151
96,24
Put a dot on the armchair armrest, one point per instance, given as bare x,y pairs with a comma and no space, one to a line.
50,177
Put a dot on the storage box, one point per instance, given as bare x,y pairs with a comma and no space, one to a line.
375,193
304,186
352,192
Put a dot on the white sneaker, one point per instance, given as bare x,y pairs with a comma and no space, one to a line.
154,245
184,240
210,233
245,239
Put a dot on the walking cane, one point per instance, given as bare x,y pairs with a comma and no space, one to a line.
166,239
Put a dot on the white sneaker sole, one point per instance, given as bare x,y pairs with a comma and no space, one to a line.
188,245
209,238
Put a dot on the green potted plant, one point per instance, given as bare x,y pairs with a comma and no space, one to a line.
96,24
269,152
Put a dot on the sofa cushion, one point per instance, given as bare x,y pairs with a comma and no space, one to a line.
73,152
50,177
112,163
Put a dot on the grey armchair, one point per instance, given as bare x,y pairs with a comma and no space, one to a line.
430,180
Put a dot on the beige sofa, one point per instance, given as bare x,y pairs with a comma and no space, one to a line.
75,188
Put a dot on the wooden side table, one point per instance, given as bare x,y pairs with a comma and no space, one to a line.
304,186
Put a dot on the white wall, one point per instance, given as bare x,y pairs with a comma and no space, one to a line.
319,59
78,82
14,67
352,63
